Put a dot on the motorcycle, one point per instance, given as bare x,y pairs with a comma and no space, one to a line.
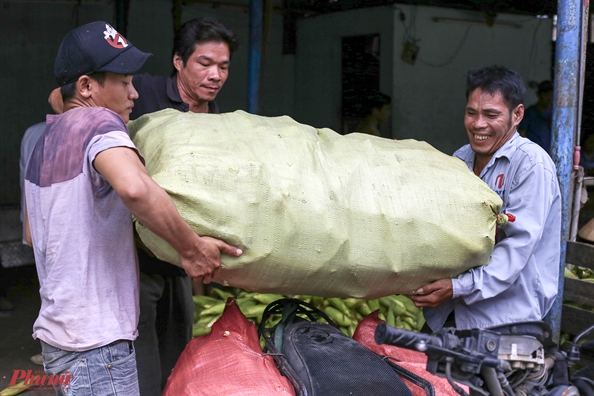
515,360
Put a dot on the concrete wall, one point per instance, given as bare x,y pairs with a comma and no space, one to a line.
428,96
31,34
318,60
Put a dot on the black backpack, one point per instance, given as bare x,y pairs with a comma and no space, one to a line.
320,360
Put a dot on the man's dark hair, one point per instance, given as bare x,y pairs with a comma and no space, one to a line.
376,100
493,79
201,30
544,87
69,89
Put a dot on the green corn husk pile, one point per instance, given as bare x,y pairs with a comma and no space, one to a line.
396,310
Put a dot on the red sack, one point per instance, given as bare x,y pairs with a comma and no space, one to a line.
413,361
229,361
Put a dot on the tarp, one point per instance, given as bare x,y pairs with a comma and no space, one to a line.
316,212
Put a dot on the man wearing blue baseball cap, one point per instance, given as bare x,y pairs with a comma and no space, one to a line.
84,182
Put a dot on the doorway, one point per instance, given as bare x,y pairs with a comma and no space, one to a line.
360,77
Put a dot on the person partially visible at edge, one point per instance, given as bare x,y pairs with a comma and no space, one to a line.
83,183
520,282
538,118
28,142
202,51
29,139
378,108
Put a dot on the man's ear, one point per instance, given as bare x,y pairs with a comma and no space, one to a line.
178,62
84,86
518,114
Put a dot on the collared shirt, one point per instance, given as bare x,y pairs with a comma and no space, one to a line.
157,93
520,282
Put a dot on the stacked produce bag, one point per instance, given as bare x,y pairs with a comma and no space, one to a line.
315,212
225,355
227,361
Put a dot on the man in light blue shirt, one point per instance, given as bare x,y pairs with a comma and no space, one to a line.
520,282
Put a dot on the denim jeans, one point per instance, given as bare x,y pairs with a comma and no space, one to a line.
107,370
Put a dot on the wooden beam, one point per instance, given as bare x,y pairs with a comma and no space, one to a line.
575,320
580,254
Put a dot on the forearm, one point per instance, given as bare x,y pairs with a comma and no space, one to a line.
152,206
200,255
147,201
28,229
154,209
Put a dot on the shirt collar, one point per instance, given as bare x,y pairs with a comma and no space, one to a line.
174,96
508,147
173,93
507,150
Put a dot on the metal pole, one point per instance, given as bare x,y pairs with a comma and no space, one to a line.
255,55
576,202
579,172
565,120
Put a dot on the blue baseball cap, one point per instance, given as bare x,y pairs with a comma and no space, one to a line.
96,47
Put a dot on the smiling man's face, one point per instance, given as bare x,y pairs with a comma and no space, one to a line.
489,123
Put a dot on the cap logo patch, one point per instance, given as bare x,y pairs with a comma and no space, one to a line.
114,39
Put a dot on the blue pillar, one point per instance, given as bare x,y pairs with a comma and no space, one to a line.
255,55
566,109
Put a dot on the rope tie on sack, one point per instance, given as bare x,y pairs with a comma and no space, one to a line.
504,218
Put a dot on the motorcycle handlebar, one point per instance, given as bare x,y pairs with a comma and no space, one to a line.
385,334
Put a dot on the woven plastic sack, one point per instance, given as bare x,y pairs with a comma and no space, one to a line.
413,361
316,212
228,361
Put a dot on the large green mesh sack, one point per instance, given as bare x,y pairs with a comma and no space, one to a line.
316,212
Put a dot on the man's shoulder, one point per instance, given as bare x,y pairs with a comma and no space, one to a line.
464,152
101,113
527,148
525,156
154,93
36,127
89,118
34,131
